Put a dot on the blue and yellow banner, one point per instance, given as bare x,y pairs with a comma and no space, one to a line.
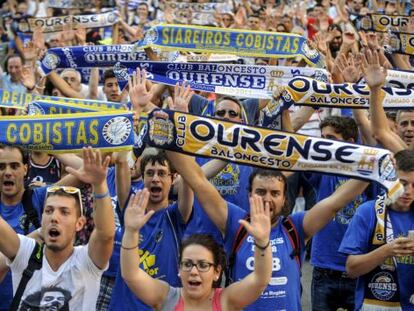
45,107
251,81
310,92
109,130
384,22
20,100
230,41
266,148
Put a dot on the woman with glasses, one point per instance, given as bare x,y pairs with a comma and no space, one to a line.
202,262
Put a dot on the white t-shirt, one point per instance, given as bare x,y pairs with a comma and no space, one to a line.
75,284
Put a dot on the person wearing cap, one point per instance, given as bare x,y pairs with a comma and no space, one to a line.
76,270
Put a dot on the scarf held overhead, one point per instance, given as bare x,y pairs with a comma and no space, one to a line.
230,41
110,131
309,92
270,149
229,79
21,100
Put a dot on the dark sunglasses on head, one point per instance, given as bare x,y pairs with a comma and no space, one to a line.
222,113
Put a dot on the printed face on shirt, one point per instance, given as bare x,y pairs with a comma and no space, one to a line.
272,190
158,180
198,284
404,202
12,173
53,300
405,126
60,222
14,68
111,90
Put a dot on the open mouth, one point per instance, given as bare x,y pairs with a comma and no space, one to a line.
54,233
155,190
8,183
194,283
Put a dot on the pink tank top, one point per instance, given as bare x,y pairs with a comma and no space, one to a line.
216,301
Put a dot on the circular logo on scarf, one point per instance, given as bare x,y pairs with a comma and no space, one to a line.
117,130
51,61
112,18
151,36
383,286
35,109
309,53
121,72
386,168
366,23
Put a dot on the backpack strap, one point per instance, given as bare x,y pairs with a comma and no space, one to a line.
35,263
241,235
31,214
294,240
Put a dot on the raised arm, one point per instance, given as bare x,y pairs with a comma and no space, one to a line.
94,172
122,178
357,265
151,291
9,241
323,212
375,78
210,199
244,292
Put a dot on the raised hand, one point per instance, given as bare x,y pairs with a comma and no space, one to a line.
38,38
80,35
182,97
320,42
140,96
94,170
30,52
260,225
374,74
348,69
28,77
135,215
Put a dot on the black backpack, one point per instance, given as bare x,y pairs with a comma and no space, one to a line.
241,235
31,214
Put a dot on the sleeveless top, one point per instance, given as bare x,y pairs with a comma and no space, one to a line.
175,302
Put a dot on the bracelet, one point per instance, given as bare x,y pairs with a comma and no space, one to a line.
101,196
129,248
262,248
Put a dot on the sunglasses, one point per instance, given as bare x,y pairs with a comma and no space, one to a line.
68,190
222,113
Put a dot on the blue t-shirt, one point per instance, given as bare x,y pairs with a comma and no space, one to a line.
201,223
116,252
159,250
284,289
357,240
325,243
15,216
232,183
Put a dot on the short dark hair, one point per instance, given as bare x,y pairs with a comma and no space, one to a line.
401,111
160,157
207,241
62,193
230,98
405,160
23,152
269,174
109,73
345,126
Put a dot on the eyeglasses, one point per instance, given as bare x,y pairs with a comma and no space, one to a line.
68,190
222,113
161,174
202,266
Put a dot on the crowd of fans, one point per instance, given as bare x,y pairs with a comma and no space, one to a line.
166,231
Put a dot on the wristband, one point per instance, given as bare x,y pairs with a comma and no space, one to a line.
101,196
129,248
262,248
